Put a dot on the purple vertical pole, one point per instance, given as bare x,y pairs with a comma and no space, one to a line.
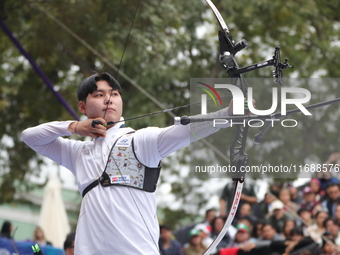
38,70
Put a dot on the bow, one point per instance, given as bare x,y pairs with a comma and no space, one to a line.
238,156
237,150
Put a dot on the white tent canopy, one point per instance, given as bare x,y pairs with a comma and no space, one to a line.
53,218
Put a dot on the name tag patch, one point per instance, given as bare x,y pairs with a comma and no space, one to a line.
122,179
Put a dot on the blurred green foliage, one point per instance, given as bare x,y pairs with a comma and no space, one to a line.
170,42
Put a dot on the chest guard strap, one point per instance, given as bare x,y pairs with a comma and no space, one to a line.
124,169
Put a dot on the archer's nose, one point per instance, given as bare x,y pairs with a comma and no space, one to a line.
108,100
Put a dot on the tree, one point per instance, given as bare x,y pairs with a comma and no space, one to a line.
170,42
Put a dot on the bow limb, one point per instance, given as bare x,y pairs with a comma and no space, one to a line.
218,16
232,212
238,157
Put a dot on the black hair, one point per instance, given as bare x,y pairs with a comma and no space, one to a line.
296,231
246,217
330,219
69,241
267,224
88,85
210,210
301,210
164,226
6,229
325,241
257,222
320,211
331,184
214,221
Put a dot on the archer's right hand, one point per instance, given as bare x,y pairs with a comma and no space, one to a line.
89,128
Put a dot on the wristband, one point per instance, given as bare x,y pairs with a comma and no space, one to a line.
75,129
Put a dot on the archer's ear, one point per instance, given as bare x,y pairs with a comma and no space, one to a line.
82,107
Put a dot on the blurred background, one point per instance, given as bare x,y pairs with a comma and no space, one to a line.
170,42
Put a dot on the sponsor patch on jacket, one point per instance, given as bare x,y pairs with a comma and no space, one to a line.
124,141
122,179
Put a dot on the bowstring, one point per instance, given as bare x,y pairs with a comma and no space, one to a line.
163,111
124,49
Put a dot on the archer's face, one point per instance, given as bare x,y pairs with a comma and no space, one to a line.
102,100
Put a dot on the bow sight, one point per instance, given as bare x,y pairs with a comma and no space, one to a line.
228,50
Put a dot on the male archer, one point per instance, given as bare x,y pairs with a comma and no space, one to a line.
117,172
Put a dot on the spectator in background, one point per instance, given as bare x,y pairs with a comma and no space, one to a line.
288,226
333,162
268,236
274,189
309,198
167,245
261,210
278,216
257,230
328,247
295,194
39,237
269,233
246,211
248,196
242,241
69,244
326,178
196,247
182,234
216,227
305,219
316,209
333,198
297,241
210,214
289,206
246,220
242,236
316,230
315,185
6,230
205,234
333,228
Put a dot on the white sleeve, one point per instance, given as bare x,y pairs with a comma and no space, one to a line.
176,137
46,139
163,141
